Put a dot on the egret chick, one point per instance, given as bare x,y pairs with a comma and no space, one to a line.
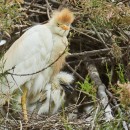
55,93
50,100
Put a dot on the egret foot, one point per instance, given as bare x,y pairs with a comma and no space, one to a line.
23,102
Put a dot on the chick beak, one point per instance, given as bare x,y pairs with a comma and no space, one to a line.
67,88
65,27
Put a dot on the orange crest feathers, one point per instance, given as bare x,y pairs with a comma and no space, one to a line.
64,16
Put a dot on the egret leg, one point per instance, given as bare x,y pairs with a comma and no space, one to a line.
23,102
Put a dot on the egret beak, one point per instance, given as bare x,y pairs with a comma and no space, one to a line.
67,87
65,27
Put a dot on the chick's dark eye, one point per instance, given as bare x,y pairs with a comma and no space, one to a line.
62,83
58,24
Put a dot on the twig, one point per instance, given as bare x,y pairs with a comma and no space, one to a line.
78,75
97,33
86,35
95,117
48,8
55,2
93,52
30,6
35,5
118,108
76,67
101,60
34,11
20,125
62,4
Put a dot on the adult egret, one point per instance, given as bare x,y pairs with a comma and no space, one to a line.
35,58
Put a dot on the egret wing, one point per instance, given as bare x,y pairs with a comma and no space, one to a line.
29,54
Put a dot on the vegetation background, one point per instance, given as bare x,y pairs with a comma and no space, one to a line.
99,42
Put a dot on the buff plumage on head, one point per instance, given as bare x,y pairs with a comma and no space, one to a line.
64,16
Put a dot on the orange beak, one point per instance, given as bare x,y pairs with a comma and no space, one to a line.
65,27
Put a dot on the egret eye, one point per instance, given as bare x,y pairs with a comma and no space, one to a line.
58,24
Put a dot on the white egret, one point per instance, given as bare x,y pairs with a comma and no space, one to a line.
55,93
51,99
41,46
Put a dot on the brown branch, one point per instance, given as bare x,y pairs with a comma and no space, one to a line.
62,4
98,34
36,6
48,9
94,52
35,11
93,38
78,75
30,6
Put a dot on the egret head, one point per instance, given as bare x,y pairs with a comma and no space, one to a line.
64,80
61,21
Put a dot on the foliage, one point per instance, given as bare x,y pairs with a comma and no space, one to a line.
103,20
122,88
88,86
103,15
120,72
10,15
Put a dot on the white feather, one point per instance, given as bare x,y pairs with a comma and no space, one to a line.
29,54
50,100
33,51
2,42
55,94
46,107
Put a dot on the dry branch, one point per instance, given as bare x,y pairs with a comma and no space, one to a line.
95,52
101,90
118,108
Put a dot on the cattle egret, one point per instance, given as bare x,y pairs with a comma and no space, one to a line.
50,99
41,46
55,93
